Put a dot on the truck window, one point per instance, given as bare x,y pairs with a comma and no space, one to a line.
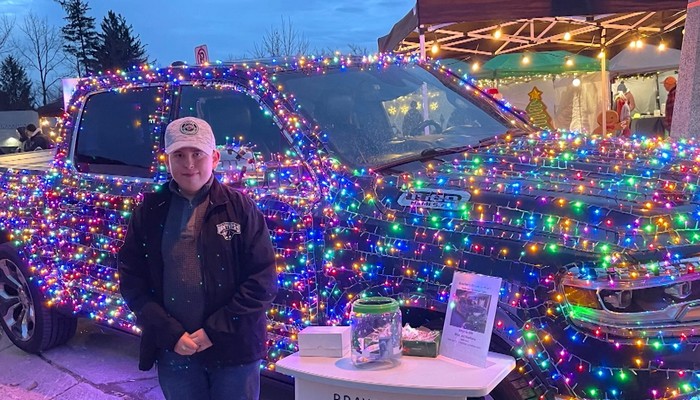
115,133
234,117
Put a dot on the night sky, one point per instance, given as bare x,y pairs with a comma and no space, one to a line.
230,28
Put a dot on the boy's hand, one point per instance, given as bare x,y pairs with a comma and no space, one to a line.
201,339
186,346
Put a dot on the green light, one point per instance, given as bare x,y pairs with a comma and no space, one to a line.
623,376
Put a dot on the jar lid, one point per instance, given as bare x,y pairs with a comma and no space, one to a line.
375,305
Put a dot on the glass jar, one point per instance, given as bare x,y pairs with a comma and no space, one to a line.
375,326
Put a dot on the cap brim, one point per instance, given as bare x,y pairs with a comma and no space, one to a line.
181,145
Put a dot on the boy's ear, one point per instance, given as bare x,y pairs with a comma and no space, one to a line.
167,161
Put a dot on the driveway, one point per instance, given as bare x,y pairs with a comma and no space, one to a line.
97,364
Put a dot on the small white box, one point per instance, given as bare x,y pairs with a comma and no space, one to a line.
324,341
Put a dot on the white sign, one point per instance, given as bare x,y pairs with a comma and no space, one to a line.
201,54
471,311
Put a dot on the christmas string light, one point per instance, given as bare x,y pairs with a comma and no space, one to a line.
548,211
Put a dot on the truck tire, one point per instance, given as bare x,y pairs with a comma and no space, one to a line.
27,321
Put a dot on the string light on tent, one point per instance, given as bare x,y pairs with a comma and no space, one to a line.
568,61
435,48
475,66
525,60
662,45
637,43
498,33
567,36
576,82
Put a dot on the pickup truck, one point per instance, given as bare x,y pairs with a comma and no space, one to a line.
596,238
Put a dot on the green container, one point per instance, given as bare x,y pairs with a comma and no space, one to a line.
375,326
375,305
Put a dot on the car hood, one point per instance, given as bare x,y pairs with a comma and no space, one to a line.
582,193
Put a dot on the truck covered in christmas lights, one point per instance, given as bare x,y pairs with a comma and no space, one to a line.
381,176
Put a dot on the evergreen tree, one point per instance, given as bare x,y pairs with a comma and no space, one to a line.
80,35
118,47
15,87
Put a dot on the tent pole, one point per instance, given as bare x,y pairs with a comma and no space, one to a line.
604,83
421,36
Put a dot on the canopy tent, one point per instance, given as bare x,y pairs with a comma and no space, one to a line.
53,109
468,27
545,62
642,72
645,60
482,28
570,106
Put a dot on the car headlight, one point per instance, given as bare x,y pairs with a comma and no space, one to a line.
582,297
680,290
620,299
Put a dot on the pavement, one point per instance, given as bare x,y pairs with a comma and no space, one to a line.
98,363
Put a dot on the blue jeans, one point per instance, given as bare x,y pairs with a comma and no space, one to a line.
185,378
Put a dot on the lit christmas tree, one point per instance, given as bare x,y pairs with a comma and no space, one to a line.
537,110
576,117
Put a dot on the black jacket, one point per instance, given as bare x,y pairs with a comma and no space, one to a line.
36,142
239,277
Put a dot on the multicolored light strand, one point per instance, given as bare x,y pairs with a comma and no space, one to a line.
549,212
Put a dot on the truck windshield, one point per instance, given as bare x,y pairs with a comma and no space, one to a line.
373,116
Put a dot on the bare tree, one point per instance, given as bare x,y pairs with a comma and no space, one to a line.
6,25
358,50
324,51
279,41
42,50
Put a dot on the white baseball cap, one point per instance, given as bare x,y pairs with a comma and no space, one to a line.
189,132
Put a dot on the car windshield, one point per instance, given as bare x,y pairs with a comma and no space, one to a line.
375,116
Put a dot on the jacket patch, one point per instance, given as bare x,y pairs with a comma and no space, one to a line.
228,229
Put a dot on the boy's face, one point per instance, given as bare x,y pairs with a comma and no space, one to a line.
191,168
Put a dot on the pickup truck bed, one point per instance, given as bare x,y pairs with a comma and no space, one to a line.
39,160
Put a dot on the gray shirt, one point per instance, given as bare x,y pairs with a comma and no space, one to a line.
182,276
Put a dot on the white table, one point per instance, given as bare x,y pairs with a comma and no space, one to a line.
415,378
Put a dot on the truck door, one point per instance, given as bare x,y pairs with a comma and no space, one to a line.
111,161
256,157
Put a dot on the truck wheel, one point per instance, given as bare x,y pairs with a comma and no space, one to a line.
27,321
